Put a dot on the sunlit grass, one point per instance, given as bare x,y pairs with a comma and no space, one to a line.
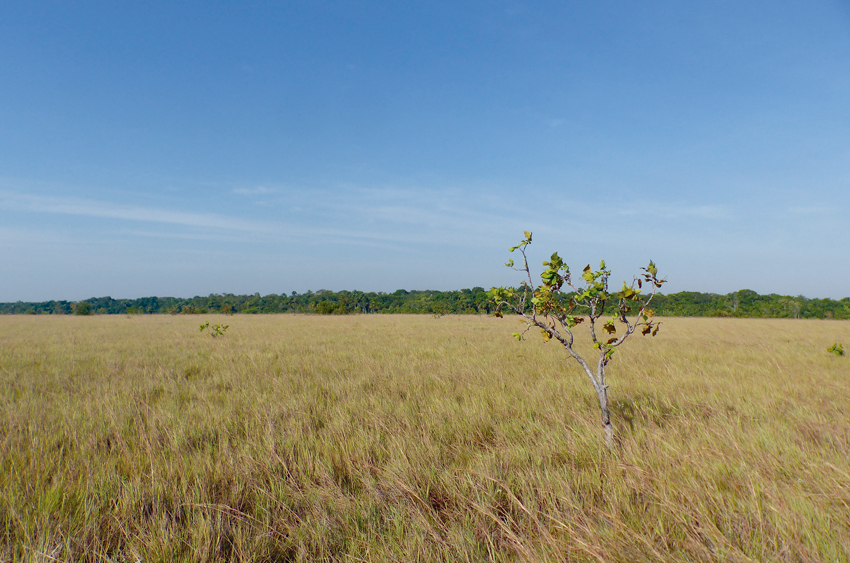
405,438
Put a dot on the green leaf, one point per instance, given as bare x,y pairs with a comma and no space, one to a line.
627,292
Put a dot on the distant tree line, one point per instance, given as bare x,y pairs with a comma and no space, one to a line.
744,303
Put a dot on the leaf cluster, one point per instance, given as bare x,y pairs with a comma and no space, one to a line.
214,330
558,303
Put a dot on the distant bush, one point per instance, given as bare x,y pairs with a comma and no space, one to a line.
331,308
82,308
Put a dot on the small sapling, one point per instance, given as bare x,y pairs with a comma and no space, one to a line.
215,330
556,306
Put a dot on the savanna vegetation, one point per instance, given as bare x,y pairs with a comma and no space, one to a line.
744,303
413,438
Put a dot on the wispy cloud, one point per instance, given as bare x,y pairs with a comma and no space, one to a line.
378,216
259,190
680,211
811,210
13,237
91,208
435,216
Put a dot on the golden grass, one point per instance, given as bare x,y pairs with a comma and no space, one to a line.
409,438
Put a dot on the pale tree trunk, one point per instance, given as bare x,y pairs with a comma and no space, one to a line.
602,394
601,389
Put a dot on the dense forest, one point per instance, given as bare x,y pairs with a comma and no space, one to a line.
744,303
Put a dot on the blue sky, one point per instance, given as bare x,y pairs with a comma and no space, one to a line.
187,148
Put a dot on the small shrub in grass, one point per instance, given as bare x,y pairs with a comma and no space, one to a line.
215,330
557,306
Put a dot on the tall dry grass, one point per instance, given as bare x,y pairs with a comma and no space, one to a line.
409,438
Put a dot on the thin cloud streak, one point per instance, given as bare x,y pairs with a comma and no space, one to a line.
259,190
385,217
668,211
17,238
258,230
90,208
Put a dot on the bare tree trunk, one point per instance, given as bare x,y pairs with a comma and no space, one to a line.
598,382
602,394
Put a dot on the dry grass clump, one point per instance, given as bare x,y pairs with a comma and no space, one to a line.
409,438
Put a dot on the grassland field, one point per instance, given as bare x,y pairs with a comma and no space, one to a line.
413,438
